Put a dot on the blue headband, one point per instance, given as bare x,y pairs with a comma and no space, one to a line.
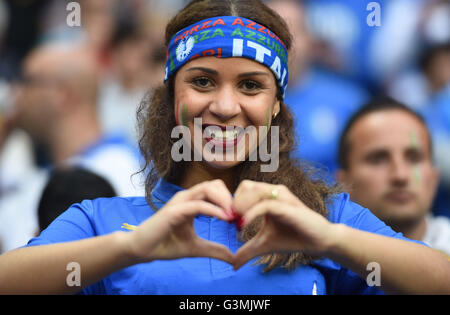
225,37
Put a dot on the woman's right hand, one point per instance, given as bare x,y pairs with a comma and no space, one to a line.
169,233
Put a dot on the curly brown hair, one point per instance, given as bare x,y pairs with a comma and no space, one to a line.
156,120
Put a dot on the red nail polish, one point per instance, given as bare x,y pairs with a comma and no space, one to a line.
240,223
230,215
237,219
233,212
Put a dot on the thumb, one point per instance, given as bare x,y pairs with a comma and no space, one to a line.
204,248
251,249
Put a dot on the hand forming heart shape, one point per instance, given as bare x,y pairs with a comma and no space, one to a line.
287,225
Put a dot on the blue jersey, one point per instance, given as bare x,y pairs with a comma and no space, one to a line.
206,276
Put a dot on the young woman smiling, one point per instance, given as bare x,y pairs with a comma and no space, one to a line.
226,65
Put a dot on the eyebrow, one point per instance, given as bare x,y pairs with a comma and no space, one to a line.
383,150
249,74
376,152
214,72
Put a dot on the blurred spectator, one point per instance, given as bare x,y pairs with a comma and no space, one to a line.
386,165
56,105
4,21
4,86
155,19
67,186
124,35
426,88
416,85
435,22
98,22
376,55
16,156
437,115
436,68
435,64
23,28
320,101
58,108
97,19
124,87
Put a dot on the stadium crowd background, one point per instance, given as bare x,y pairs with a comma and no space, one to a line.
341,61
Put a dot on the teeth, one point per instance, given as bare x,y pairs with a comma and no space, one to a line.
224,135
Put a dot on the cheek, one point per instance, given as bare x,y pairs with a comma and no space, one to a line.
368,182
187,107
425,180
259,113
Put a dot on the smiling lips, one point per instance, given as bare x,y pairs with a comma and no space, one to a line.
222,136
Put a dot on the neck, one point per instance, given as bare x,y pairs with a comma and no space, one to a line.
198,172
72,135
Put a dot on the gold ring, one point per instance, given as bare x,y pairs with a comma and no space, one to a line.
274,194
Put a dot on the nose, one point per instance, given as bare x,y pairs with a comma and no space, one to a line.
226,103
400,171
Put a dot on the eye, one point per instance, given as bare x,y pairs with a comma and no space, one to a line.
377,158
250,86
415,156
202,82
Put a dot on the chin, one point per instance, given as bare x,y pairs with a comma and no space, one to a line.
398,215
222,165
222,159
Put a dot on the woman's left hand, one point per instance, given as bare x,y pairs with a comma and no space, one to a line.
288,224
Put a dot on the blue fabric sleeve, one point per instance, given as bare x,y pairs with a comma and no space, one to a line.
355,216
76,223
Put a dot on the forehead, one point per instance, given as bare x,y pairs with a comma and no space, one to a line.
390,130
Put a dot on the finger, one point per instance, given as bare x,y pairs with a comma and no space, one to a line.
258,245
251,249
170,219
272,207
190,209
263,243
250,193
246,196
164,220
206,248
304,228
214,191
